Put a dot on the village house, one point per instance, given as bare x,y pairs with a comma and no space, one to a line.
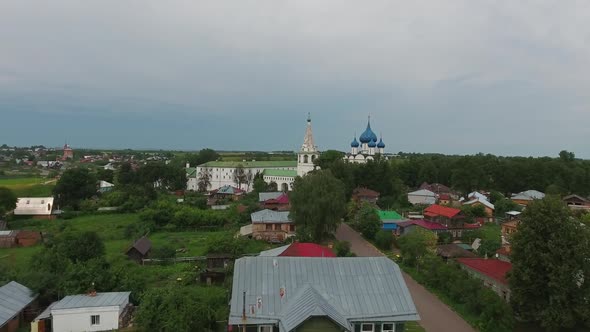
224,194
422,196
389,219
436,188
575,202
19,238
524,198
272,226
319,294
491,271
445,199
140,250
488,207
16,304
104,187
453,250
91,312
298,249
365,195
36,207
272,201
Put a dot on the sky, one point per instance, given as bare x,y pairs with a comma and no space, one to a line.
453,77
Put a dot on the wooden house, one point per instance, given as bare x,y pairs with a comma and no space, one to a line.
576,202
272,226
217,265
491,271
8,239
139,250
362,194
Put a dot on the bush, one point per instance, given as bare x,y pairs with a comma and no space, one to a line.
384,240
225,244
163,252
342,248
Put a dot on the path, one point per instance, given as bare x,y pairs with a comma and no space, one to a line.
435,315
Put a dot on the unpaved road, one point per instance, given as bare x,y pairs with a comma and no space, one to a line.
436,316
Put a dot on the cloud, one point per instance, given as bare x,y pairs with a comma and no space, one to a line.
433,74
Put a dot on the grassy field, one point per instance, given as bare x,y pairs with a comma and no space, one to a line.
28,186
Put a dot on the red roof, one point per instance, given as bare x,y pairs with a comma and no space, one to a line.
307,250
283,199
433,226
439,210
445,197
493,268
469,226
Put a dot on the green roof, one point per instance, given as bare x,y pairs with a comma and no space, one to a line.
389,215
280,172
191,172
251,164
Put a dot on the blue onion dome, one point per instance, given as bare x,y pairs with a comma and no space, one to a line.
368,135
381,145
372,144
355,143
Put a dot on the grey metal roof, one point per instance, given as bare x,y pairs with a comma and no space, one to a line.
274,252
85,301
14,297
269,195
529,195
270,216
346,289
46,313
422,192
481,200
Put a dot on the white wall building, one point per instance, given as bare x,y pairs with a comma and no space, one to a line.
81,313
283,173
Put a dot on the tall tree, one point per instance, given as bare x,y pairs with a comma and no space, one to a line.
317,205
367,221
7,200
416,245
240,176
75,185
550,278
204,180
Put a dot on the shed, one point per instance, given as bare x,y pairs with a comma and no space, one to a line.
453,250
15,299
8,239
26,238
139,250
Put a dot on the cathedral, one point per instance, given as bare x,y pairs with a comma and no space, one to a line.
367,148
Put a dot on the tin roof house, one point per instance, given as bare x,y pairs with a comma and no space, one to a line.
14,301
40,207
321,294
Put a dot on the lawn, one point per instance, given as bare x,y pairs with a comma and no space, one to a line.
28,186
414,327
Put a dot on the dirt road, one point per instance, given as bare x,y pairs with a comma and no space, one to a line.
436,316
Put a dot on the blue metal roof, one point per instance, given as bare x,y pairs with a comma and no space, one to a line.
389,226
14,298
368,135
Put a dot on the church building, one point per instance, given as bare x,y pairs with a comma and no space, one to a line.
283,173
367,148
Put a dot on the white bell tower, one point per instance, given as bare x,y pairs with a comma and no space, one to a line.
308,152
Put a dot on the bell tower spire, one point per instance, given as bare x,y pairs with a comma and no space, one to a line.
308,152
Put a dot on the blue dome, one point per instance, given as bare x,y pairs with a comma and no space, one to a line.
368,135
381,145
372,144
354,144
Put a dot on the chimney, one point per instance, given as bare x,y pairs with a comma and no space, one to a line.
92,292
188,165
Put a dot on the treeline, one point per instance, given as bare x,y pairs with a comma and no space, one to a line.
562,175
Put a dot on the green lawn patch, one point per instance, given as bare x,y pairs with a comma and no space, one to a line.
414,327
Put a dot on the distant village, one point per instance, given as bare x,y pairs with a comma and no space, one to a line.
171,211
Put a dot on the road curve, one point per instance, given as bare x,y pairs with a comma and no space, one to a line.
435,315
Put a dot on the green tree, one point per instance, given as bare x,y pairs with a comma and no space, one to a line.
7,200
416,245
240,177
75,185
204,180
259,185
550,268
327,158
317,205
504,205
367,221
384,239
173,309
80,247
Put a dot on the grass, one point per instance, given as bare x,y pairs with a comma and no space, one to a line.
28,186
413,327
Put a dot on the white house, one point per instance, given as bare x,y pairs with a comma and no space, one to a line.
109,167
422,196
90,312
104,186
34,206
283,173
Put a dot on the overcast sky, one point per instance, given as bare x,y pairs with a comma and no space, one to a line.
457,77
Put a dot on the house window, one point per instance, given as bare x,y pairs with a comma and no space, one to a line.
367,327
265,328
95,320
388,327
291,228
269,227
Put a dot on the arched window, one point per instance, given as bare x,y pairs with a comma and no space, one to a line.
312,157
305,159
